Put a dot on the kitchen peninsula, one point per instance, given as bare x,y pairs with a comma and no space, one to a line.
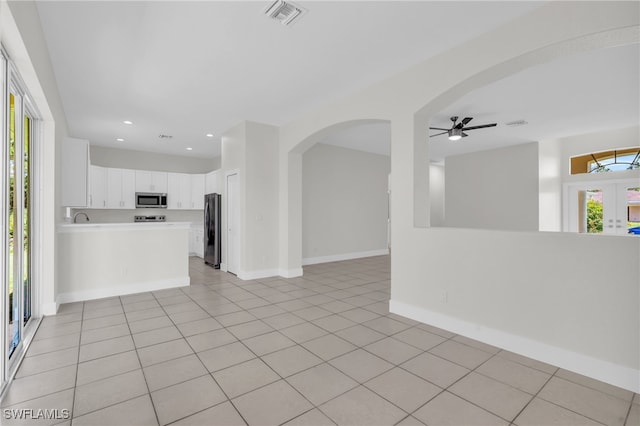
112,259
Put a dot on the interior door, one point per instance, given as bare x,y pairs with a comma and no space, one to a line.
233,224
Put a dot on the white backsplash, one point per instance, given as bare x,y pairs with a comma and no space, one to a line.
124,216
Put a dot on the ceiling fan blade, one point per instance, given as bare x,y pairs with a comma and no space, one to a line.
466,120
464,135
438,128
438,134
482,126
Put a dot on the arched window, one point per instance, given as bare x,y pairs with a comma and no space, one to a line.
606,161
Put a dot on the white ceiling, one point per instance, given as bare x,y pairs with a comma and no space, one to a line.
586,93
189,68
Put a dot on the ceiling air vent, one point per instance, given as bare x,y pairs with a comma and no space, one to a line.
283,12
516,123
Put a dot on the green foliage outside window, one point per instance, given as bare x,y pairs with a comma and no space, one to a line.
594,217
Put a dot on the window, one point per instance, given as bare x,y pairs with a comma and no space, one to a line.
606,161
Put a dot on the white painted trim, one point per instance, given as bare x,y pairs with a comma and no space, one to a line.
121,290
290,273
344,256
223,267
617,375
254,275
49,308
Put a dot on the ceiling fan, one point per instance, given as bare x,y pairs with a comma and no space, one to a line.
457,130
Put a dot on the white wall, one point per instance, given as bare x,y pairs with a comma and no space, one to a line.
533,293
494,189
344,203
21,35
550,185
251,149
516,255
436,194
261,201
129,159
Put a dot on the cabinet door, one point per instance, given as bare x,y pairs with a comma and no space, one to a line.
211,183
75,172
185,191
159,182
98,187
128,189
143,181
197,192
114,188
174,197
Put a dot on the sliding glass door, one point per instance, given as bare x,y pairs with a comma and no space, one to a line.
17,294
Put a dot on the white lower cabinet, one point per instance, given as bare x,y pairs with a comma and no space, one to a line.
196,241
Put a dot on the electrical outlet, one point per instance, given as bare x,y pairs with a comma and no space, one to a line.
445,296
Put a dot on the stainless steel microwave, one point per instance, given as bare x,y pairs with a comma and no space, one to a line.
151,200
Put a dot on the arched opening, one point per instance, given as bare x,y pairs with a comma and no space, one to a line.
344,191
491,178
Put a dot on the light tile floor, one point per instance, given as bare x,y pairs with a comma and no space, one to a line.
317,350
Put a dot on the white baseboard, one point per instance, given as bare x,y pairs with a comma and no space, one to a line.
254,275
290,273
344,256
598,369
223,267
122,290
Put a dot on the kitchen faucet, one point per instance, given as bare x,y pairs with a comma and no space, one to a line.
79,213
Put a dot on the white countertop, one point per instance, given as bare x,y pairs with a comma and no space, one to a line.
128,226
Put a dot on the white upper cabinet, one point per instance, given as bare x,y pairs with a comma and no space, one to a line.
197,191
121,189
148,181
179,191
211,183
97,187
75,172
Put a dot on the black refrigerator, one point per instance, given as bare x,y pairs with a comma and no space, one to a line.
212,237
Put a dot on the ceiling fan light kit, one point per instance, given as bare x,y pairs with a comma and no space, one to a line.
457,130
455,134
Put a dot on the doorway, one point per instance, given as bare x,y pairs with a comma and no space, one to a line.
233,222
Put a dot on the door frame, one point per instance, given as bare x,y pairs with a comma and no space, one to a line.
224,266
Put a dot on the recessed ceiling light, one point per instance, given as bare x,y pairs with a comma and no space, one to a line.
209,135
189,149
120,140
127,122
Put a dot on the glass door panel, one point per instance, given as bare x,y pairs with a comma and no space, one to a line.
26,220
632,208
611,208
13,299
